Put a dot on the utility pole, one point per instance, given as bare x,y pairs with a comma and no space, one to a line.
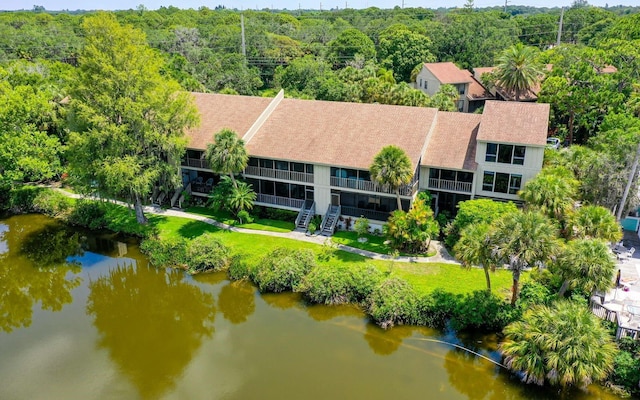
505,5
560,27
402,4
320,6
244,46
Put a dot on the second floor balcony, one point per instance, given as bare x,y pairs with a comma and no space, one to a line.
369,186
451,186
279,174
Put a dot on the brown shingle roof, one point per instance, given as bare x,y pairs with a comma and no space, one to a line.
218,111
342,134
452,144
477,91
448,72
514,122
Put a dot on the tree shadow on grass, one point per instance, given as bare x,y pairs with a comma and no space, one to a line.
194,229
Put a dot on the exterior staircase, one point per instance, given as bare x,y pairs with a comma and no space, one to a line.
307,211
330,220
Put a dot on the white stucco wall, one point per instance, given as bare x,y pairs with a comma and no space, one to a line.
322,188
532,165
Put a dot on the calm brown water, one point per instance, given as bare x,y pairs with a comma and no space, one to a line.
99,323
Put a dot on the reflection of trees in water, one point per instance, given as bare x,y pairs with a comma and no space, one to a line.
471,375
283,300
321,312
51,245
385,342
236,301
152,322
36,271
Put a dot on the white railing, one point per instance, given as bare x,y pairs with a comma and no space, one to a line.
279,201
370,186
453,186
279,174
300,214
195,163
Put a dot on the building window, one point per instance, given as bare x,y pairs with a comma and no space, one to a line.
500,182
492,152
426,82
505,153
420,83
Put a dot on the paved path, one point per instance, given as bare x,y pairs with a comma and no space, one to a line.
442,256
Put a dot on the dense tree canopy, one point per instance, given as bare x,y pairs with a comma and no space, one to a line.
129,120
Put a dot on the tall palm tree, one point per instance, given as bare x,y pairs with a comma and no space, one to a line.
594,222
392,167
564,345
586,264
524,239
553,191
227,155
518,70
474,248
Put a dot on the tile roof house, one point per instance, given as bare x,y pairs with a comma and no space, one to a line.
314,156
472,94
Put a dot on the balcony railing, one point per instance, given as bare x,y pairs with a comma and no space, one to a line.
279,201
369,186
453,186
279,174
195,163
371,214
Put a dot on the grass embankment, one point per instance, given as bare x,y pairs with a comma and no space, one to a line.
259,224
373,243
424,277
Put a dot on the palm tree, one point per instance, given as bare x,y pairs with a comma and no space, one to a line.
474,248
565,345
586,264
594,222
524,239
227,155
241,197
392,167
553,191
518,70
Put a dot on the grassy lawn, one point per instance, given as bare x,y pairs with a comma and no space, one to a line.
425,277
260,224
374,243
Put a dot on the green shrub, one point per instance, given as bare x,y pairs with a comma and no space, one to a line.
393,302
312,228
21,198
436,308
341,284
244,217
282,269
482,311
238,269
165,253
52,203
361,226
88,213
626,371
206,253
278,214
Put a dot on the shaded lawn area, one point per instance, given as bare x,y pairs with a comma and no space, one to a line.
424,277
260,224
374,243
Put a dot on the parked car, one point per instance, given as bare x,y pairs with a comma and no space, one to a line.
553,143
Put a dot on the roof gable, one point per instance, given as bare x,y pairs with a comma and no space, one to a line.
514,122
448,73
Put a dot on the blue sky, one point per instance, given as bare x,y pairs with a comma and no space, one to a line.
289,4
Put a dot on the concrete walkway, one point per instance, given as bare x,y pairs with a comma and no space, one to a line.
441,256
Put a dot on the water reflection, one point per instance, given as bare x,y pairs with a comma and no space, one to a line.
320,312
45,278
386,342
151,322
236,301
51,245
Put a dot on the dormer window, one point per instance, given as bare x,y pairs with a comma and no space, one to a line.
505,153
